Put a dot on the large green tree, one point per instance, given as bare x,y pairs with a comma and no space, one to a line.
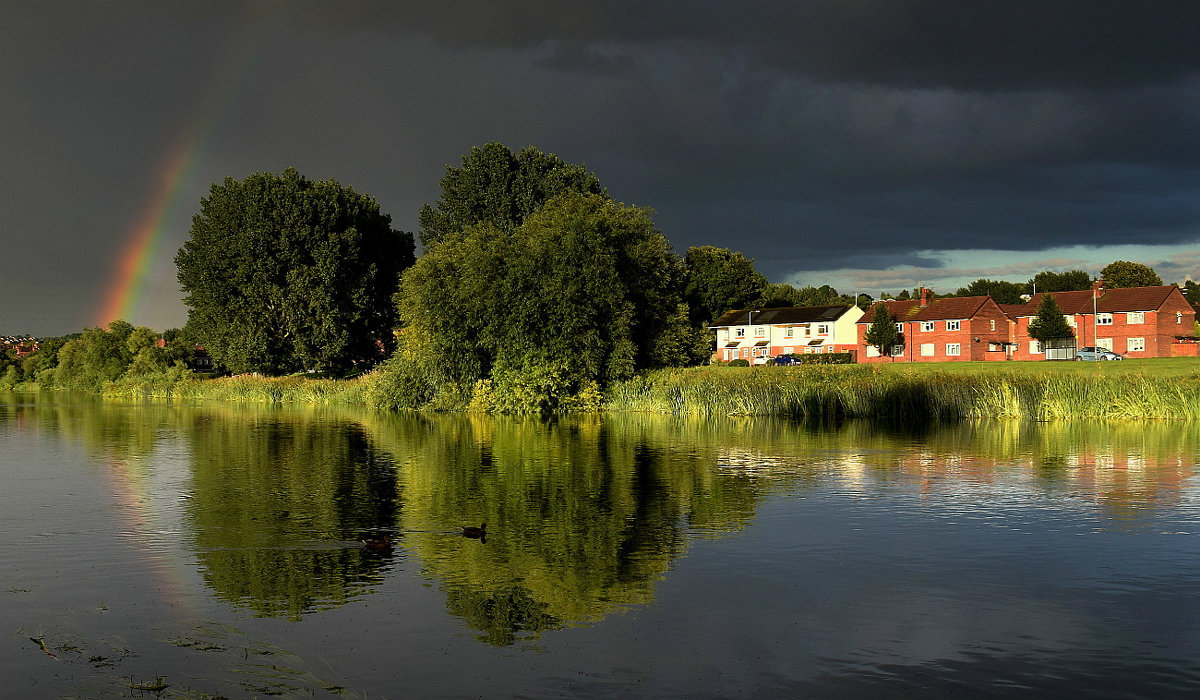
1122,273
1069,281
584,291
882,332
283,274
1049,324
719,280
498,187
1002,292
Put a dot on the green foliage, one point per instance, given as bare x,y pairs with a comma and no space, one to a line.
781,295
882,332
97,357
719,280
830,358
1122,273
1069,281
1049,324
897,393
585,290
283,274
1191,290
1002,292
497,187
739,362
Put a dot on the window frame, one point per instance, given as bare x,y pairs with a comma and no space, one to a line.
953,349
954,325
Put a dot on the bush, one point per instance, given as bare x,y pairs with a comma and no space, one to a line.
739,363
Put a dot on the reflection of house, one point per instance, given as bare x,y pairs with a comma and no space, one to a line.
1133,321
757,334
941,330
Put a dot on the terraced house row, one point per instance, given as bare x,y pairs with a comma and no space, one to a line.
1135,322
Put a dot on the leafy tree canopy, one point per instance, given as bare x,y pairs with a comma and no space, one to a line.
1002,292
882,332
584,291
777,295
1069,281
1049,324
98,356
1122,273
719,280
282,274
501,188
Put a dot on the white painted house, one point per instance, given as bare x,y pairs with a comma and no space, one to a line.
757,335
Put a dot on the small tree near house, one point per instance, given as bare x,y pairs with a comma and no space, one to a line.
882,332
1050,327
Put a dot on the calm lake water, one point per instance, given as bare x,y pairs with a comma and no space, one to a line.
218,551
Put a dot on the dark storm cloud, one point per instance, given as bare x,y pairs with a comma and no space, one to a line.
1015,44
811,135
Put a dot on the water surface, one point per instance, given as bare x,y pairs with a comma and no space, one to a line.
219,551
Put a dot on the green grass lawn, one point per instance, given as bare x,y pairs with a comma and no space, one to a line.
1155,367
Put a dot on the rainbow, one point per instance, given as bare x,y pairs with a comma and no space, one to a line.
122,296
120,300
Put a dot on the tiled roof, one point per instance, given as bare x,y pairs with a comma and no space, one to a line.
1111,301
898,309
783,315
938,309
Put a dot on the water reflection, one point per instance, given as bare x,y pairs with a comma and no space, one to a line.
280,506
584,515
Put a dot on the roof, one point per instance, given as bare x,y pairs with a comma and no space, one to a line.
938,309
1111,301
782,316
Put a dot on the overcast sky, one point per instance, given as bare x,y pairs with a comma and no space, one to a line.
868,145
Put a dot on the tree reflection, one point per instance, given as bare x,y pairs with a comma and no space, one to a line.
279,507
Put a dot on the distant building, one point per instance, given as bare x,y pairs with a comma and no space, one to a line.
756,335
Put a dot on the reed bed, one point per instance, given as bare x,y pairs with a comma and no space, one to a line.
870,392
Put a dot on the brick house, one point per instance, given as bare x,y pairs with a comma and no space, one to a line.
942,330
1132,321
755,335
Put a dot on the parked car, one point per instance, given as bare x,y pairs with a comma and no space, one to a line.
1093,353
786,360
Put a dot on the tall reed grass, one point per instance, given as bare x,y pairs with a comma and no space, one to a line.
870,392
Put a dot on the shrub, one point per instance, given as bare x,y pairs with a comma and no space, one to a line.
739,363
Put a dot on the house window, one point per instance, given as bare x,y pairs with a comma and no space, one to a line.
760,331
897,350
872,351
789,351
1070,320
1035,347
1178,317
953,349
926,349
899,327
741,332
823,329
926,325
1135,317
790,331
1104,319
1135,345
1105,343
993,322
953,325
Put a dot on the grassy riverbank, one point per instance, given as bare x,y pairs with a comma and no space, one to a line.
1150,389
1134,389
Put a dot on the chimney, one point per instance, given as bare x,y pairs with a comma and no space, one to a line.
926,295
1098,289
